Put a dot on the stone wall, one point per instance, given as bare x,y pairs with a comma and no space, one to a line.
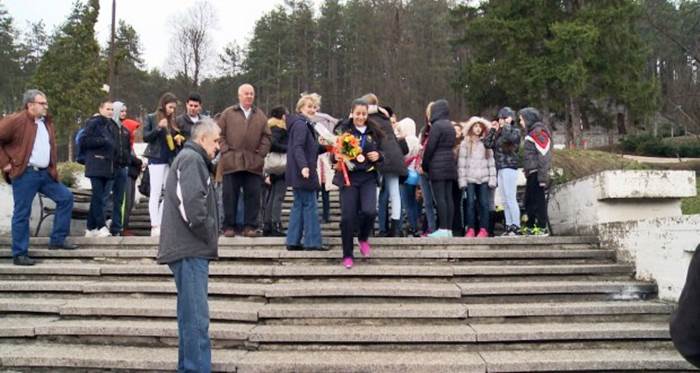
637,213
659,248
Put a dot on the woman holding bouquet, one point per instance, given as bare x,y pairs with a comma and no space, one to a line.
356,176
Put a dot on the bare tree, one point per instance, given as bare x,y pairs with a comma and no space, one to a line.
191,41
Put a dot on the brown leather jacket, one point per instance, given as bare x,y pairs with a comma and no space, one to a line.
17,133
244,142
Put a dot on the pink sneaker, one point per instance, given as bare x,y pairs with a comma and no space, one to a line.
347,262
482,233
470,233
365,248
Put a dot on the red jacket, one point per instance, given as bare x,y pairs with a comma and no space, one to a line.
131,125
17,134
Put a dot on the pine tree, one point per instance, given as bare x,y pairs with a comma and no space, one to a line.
71,73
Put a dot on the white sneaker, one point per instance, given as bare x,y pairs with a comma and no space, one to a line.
155,231
102,233
90,233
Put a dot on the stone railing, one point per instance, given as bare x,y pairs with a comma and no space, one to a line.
637,213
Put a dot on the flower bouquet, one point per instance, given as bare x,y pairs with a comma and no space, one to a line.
347,149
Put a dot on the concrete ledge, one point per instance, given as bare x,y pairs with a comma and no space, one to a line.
578,207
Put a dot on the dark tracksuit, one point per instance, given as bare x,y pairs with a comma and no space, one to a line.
359,200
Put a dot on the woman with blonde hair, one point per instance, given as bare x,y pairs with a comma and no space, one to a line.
302,175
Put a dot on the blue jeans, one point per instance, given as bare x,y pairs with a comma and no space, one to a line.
24,189
194,347
508,182
477,193
118,189
428,202
408,201
303,220
96,215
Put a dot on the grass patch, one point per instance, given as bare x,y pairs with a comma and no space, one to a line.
577,163
691,205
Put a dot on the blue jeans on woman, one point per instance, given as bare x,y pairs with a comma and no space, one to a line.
194,347
96,215
428,202
410,204
477,193
24,189
303,220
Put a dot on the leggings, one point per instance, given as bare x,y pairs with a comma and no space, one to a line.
535,203
358,207
442,194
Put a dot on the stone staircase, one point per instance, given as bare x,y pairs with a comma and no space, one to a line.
417,305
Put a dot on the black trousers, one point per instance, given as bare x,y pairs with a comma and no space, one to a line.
458,221
442,195
535,203
252,186
358,206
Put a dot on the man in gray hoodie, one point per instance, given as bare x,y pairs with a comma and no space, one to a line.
189,240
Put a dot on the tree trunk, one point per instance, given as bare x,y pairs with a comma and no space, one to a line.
575,122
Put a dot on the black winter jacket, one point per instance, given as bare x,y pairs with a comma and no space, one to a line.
302,151
438,157
393,154
122,145
537,148
185,124
155,137
99,147
371,144
505,144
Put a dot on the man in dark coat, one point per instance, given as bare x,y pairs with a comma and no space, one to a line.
189,240
685,322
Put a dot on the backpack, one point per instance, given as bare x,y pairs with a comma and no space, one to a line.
80,152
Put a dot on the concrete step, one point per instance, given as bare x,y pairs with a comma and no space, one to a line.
90,357
457,310
458,333
345,334
234,310
494,243
584,360
316,270
332,288
621,289
279,252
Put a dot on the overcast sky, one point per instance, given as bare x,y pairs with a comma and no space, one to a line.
150,19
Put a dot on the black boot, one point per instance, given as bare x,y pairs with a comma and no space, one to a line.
276,230
492,223
395,230
267,230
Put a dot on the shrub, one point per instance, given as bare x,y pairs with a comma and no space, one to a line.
68,173
648,145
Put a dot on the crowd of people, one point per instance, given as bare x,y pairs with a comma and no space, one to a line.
439,182
207,177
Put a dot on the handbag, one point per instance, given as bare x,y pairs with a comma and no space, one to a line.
413,178
275,163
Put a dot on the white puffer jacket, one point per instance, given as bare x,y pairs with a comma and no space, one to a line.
475,164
